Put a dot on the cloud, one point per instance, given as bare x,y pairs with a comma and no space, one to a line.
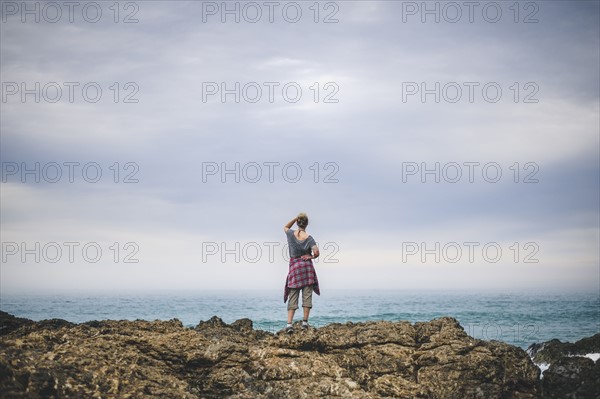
364,141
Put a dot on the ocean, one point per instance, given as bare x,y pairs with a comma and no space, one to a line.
516,318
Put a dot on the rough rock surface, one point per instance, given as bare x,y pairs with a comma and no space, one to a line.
570,374
135,359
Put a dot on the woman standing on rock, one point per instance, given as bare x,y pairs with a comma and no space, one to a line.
302,275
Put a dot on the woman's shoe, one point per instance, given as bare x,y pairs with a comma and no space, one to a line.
289,329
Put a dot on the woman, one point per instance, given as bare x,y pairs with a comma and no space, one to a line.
302,275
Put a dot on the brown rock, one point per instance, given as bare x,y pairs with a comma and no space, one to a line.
111,359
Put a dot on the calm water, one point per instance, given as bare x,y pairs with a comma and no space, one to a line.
516,318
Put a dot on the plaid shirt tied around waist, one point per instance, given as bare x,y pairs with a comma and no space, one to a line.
302,273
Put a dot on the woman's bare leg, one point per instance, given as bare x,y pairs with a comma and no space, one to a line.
306,313
291,315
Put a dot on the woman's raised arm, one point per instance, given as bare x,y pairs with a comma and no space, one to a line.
290,224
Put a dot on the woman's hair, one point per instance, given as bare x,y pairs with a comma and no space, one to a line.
302,221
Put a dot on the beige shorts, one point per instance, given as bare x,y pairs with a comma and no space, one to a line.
306,297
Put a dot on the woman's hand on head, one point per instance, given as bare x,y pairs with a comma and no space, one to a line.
290,224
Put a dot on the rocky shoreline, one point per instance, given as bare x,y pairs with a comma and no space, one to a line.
135,359
570,370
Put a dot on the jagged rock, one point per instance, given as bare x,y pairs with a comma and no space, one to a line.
212,322
554,350
572,377
10,323
242,325
435,359
569,374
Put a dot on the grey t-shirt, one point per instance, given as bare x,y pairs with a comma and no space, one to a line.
297,247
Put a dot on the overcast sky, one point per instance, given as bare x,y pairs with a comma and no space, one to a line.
533,116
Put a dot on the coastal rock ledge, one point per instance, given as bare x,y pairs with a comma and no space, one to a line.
144,359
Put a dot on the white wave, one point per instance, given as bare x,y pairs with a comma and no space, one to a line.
543,367
593,356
